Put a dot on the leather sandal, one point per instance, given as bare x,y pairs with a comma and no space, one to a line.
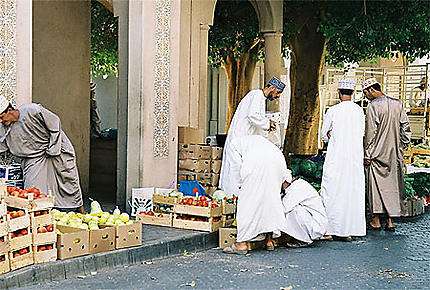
234,250
372,228
389,229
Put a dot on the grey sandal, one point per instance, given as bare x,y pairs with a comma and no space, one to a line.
233,250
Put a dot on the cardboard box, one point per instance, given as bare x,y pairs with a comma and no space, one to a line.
44,256
102,240
210,226
216,153
72,242
22,260
227,236
164,221
228,208
184,175
204,178
214,179
194,151
4,265
141,200
191,135
128,235
198,166
215,166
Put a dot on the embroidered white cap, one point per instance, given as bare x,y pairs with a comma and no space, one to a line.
348,84
4,103
369,82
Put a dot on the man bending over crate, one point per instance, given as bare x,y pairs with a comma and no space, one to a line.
257,172
34,134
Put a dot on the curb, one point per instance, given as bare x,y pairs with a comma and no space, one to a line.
84,265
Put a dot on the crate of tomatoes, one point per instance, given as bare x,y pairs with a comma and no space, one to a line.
30,199
44,253
155,218
17,219
21,257
197,213
20,239
44,234
41,218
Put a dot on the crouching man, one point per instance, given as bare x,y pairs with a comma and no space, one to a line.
306,218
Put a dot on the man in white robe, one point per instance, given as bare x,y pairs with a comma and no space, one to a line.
258,170
305,215
249,119
343,181
34,134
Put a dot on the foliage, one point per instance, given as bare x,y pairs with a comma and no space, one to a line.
104,41
234,32
364,30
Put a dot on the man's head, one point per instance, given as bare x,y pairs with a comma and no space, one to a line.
346,89
372,89
274,89
8,113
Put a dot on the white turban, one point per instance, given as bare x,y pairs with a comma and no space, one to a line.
288,177
4,103
348,84
369,82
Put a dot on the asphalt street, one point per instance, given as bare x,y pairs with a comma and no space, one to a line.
381,260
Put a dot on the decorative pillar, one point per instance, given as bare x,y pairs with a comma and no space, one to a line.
272,62
203,75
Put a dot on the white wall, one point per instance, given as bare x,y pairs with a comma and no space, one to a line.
106,97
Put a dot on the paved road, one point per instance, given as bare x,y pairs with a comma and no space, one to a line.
378,261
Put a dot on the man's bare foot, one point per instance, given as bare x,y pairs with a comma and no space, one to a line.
241,246
326,237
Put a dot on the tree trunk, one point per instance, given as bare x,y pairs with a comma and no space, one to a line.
240,73
307,59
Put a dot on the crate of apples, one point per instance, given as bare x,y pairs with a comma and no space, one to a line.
29,198
202,201
24,193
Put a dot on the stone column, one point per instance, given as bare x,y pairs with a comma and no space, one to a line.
23,51
203,68
272,62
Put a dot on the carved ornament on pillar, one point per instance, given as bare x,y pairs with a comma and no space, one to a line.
8,49
162,79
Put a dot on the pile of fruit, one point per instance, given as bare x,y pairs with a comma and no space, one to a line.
19,233
92,220
16,213
45,229
202,201
156,214
20,252
164,207
40,212
44,248
173,193
310,169
417,185
197,218
23,193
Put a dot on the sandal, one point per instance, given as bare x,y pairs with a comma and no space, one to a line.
342,239
298,244
234,250
270,248
372,228
389,229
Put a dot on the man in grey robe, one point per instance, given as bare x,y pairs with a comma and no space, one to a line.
387,133
95,121
34,134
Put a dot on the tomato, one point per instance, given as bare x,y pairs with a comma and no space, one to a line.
49,247
41,248
50,228
42,230
21,213
205,204
24,232
37,213
14,214
12,235
23,252
45,212
42,195
202,198
15,193
16,254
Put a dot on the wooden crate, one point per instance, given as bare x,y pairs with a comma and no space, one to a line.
30,204
209,226
22,260
43,238
4,265
4,245
161,199
4,226
44,256
41,220
198,210
226,222
3,208
3,188
20,242
165,221
19,222
228,208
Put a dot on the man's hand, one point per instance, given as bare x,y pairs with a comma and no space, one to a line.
329,134
367,162
272,125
